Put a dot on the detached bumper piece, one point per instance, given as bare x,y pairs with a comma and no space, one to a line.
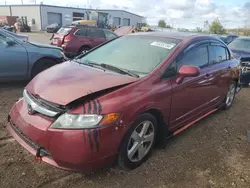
41,152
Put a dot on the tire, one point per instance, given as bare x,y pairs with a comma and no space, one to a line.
229,99
131,140
83,48
42,65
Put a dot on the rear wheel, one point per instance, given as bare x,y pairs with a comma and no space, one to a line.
138,142
230,96
42,65
83,49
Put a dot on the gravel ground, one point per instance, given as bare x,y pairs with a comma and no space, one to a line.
214,152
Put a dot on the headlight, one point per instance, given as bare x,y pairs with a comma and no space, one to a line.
62,54
83,121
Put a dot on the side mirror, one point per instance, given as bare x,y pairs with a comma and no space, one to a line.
10,41
187,71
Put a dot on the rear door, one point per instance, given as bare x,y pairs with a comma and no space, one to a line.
95,36
221,67
13,59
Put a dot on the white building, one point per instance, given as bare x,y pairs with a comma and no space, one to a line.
42,15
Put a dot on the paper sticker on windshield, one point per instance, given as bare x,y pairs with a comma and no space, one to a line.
163,45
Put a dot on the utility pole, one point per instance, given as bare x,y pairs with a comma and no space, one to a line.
22,2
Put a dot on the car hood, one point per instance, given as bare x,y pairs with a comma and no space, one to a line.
45,46
66,82
241,52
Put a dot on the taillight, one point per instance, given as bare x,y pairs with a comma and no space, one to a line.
66,39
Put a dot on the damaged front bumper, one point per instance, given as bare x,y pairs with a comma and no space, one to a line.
78,150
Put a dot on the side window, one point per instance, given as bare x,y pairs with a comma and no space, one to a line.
95,33
2,39
197,57
109,35
217,54
81,32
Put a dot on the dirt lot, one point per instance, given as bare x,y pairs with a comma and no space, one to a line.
213,153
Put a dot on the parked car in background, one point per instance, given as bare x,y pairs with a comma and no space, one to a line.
53,28
223,38
240,47
19,36
8,28
116,101
76,39
230,38
20,60
124,30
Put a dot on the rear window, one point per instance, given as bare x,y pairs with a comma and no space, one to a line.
95,33
64,30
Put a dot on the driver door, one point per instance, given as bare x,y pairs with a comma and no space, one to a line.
13,59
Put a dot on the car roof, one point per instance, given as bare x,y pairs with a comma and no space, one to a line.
80,26
185,36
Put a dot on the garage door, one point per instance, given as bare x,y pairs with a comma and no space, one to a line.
116,21
126,22
54,18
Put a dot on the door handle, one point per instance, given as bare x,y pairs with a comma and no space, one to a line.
208,76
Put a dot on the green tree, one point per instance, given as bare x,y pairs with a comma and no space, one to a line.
168,27
216,27
199,30
162,24
144,25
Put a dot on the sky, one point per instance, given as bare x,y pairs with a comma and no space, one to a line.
178,13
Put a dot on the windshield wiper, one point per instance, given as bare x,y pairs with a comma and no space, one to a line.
119,70
104,66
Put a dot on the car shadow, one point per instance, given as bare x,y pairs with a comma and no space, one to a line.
13,84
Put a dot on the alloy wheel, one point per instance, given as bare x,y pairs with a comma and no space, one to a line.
141,141
230,95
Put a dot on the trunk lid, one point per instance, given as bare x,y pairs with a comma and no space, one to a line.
58,38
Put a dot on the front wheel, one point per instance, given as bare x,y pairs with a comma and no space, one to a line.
230,95
138,142
42,65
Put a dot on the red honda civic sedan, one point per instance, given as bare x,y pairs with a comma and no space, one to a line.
115,102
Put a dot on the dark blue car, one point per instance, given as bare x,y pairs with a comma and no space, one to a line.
240,47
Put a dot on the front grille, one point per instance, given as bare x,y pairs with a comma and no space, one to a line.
46,104
30,142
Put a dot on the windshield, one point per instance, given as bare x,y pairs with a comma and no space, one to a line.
139,54
64,30
240,44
